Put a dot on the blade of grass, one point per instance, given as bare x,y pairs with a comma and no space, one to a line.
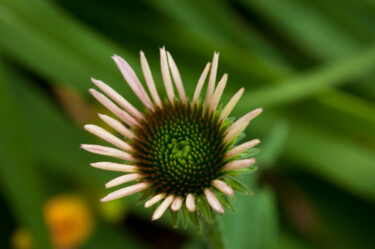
18,172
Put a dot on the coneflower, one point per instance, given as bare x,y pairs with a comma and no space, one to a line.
180,152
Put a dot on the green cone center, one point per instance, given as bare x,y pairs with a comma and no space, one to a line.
179,149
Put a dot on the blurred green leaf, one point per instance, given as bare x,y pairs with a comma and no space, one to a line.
18,172
255,224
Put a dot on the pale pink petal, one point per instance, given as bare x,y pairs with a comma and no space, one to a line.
200,84
190,202
176,205
118,98
162,207
123,179
223,187
107,151
149,80
213,201
126,191
105,135
239,164
241,148
218,92
118,126
133,81
212,78
231,104
241,124
154,200
235,131
166,75
123,115
177,78
115,167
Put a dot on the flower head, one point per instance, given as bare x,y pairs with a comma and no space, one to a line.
181,152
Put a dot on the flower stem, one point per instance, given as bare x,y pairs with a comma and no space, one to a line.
213,233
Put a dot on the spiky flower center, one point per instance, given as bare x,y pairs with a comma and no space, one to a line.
180,148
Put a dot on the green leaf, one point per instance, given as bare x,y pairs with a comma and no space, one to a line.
204,209
237,185
226,202
185,216
174,218
18,172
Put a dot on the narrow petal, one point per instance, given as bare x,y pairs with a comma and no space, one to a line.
241,124
133,81
105,135
235,131
120,128
123,179
150,80
123,115
241,148
223,187
200,84
231,104
162,208
115,167
118,98
166,75
218,92
107,151
154,200
177,78
177,203
126,191
213,201
212,78
190,202
239,164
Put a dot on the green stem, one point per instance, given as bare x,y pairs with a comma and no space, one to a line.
213,233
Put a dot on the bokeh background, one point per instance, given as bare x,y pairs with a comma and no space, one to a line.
310,64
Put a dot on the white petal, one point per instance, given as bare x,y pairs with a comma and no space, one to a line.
149,80
241,148
218,92
166,75
177,78
123,115
213,201
123,179
176,205
231,104
190,202
200,84
154,200
133,81
162,207
105,135
126,191
107,151
223,187
115,167
118,126
232,133
239,164
118,98
241,124
212,78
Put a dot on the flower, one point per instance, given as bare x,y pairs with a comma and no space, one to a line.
69,220
178,151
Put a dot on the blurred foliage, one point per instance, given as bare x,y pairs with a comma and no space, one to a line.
310,63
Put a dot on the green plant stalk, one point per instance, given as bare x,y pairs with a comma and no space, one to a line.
213,232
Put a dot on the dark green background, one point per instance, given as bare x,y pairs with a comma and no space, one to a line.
310,64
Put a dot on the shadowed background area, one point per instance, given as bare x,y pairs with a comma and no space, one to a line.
309,64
